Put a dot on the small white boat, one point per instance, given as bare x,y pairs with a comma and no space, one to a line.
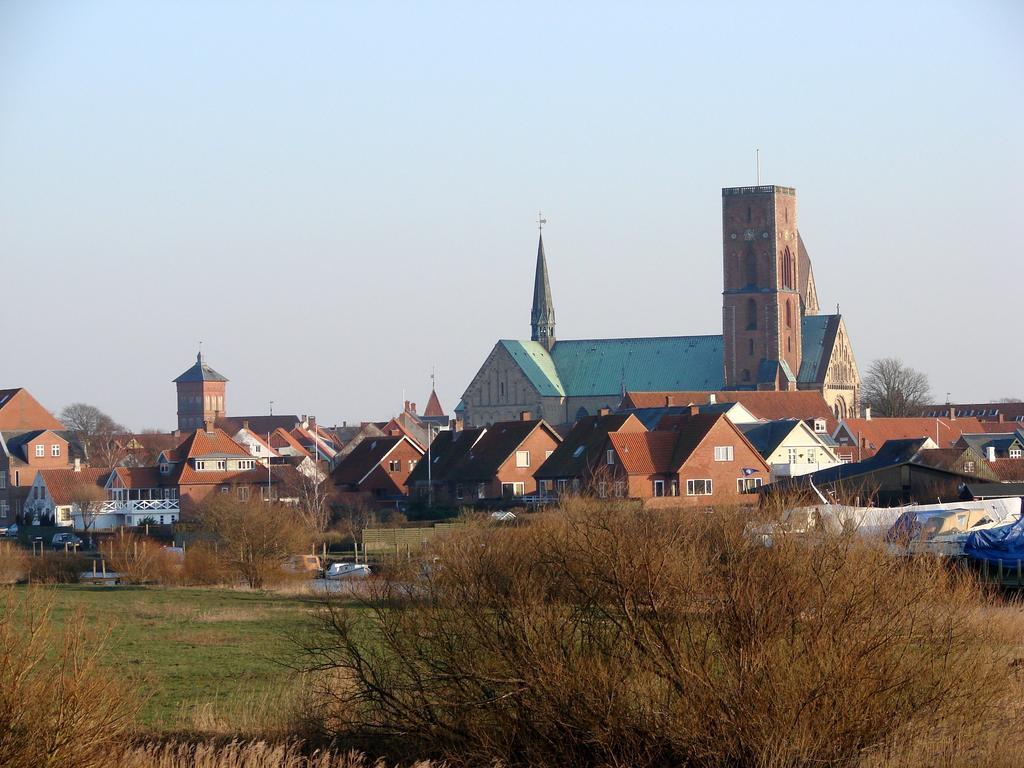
347,571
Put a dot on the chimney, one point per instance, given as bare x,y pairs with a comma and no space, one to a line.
867,413
668,401
245,424
1001,417
412,408
952,413
78,465
525,415
990,453
694,409
603,411
406,406
304,420
712,399
208,425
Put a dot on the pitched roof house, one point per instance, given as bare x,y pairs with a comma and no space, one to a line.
790,446
56,495
20,411
859,439
577,461
376,470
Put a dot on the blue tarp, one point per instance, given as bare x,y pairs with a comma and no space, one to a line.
1004,543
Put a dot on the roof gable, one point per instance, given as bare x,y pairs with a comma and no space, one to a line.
19,410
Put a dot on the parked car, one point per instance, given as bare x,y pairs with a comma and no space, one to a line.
65,541
304,564
12,530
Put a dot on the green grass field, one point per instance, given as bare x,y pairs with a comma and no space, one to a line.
194,650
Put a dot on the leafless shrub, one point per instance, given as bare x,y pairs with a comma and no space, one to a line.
13,563
255,538
240,754
55,568
604,635
203,566
63,710
139,560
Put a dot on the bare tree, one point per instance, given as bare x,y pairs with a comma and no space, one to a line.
893,388
256,538
96,432
87,498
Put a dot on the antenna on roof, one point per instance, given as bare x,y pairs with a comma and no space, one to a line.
757,167
271,407
200,356
541,221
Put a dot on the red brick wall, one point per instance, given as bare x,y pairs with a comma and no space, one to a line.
723,474
191,414
384,482
758,239
537,443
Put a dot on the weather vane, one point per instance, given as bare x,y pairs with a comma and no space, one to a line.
541,221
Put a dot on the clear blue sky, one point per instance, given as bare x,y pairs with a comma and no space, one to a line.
336,197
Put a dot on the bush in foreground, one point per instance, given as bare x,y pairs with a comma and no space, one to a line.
607,636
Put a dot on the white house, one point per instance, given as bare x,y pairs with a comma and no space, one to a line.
790,447
58,494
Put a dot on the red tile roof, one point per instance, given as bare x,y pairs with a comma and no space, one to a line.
201,443
279,439
64,483
1008,470
765,405
644,453
140,477
19,410
876,431
433,406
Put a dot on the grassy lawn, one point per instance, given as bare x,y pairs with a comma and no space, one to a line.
192,649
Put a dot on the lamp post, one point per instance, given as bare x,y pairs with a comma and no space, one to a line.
430,474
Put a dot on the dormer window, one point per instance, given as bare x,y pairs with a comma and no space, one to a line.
200,465
819,426
165,468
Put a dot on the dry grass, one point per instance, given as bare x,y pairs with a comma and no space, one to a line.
606,636
62,711
235,754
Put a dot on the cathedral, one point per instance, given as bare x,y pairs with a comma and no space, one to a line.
773,336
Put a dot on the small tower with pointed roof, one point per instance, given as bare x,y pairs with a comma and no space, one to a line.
542,319
201,393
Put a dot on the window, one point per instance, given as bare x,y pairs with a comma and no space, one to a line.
200,465
55,450
508,490
481,490
243,492
562,485
968,466
723,453
750,344
819,426
394,466
698,487
224,489
40,450
744,484
3,480
412,464
659,487
3,508
522,458
812,455
547,454
602,490
620,488
610,456
791,455
222,465
1016,453
751,315
458,491
165,468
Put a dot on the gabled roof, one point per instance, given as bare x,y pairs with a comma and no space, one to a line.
281,439
365,457
1001,441
256,437
494,448
19,410
650,417
262,425
199,372
763,404
137,477
767,436
63,483
537,364
582,446
1009,411
876,431
690,431
447,450
955,459
1008,470
202,444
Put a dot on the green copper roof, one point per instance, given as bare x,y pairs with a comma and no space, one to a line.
536,363
594,367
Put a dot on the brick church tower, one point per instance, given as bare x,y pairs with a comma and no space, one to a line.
200,396
761,304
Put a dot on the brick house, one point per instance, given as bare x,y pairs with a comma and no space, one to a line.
859,439
689,460
489,463
22,455
54,492
376,470
575,464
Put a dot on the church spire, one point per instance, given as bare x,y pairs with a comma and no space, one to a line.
542,319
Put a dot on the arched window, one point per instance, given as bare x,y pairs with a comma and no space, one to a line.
751,351
789,314
789,343
750,266
751,315
788,269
